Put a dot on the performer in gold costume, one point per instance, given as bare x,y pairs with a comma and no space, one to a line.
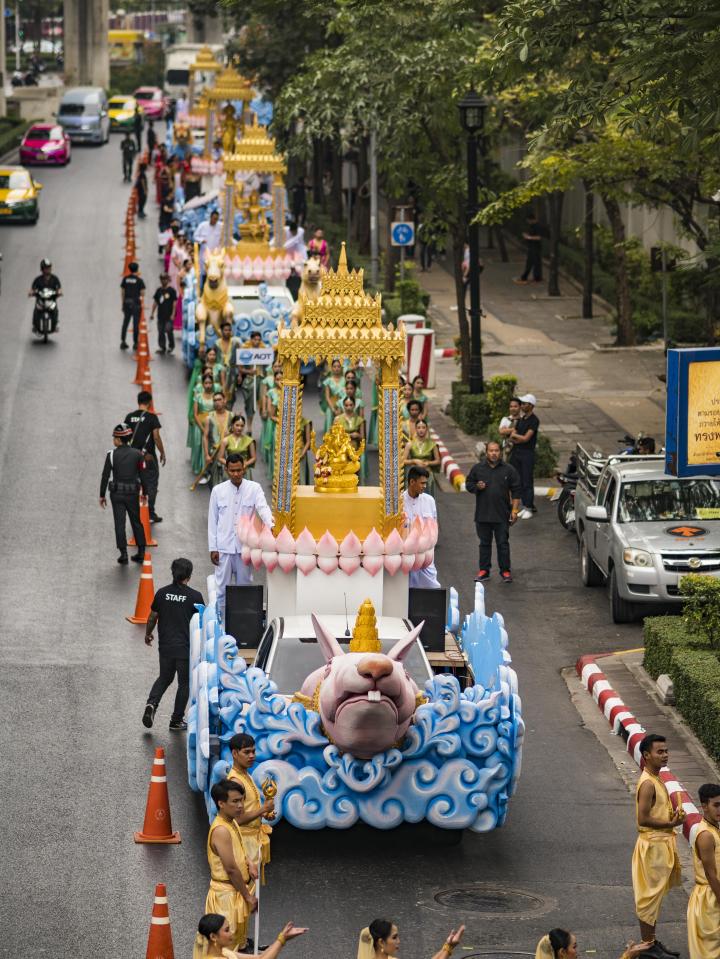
232,876
215,929
381,940
655,863
703,915
255,833
561,944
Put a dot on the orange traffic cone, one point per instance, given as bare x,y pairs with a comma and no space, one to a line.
147,386
160,944
143,361
158,825
146,592
145,520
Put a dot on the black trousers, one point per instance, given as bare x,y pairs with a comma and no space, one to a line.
127,168
152,478
533,262
524,463
142,200
170,664
131,312
127,504
138,138
501,532
165,329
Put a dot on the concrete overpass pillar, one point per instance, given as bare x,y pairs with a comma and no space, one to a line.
3,61
86,50
204,29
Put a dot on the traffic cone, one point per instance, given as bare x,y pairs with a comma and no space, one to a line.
145,520
147,386
143,363
158,825
145,594
160,944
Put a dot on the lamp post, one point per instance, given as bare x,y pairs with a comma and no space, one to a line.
472,117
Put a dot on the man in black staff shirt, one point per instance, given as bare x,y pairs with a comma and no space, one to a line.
126,466
132,287
496,486
164,300
146,437
172,609
524,440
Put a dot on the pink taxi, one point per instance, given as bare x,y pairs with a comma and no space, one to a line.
153,102
45,144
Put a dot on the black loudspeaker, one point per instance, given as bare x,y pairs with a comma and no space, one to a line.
429,605
244,615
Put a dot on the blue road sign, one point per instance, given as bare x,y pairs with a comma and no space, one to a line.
402,234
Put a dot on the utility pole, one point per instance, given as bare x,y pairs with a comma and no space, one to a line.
374,255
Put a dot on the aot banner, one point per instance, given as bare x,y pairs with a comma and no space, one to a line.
692,429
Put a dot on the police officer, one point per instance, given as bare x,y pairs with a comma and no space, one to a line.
128,150
46,280
126,466
132,287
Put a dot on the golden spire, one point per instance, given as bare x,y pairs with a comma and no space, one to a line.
365,633
342,261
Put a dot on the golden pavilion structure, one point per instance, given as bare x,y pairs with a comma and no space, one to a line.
205,65
228,87
342,322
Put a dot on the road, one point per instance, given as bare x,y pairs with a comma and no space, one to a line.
76,674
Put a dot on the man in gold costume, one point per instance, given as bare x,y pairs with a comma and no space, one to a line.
255,834
232,875
655,863
703,915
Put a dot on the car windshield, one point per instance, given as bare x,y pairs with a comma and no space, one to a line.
118,103
42,134
90,108
655,501
146,95
14,181
295,659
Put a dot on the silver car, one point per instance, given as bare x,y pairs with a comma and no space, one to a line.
640,531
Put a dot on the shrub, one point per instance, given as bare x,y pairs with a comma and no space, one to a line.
500,390
546,457
471,413
701,612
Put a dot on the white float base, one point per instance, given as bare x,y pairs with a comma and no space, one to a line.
294,593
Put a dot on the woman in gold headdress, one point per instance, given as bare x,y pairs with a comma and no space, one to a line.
216,930
561,944
381,939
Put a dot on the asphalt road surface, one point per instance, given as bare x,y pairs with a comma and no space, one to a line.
75,674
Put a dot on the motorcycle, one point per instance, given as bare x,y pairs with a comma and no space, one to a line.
566,499
45,317
19,79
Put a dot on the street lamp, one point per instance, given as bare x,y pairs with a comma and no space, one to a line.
472,117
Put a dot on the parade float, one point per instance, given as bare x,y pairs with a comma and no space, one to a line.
358,728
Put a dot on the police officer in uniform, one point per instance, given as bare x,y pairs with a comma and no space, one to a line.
126,467
132,287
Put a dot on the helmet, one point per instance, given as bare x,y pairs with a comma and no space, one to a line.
45,264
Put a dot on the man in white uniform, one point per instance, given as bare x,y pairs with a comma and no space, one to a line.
209,237
229,501
418,503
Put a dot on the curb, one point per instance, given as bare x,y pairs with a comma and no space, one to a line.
623,723
448,464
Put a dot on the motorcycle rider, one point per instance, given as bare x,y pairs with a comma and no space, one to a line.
45,281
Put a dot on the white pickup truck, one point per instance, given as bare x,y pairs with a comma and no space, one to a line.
640,530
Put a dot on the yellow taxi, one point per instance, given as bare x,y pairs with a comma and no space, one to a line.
121,111
18,195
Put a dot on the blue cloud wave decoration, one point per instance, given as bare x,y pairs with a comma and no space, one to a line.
457,767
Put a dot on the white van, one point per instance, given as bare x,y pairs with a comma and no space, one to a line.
177,63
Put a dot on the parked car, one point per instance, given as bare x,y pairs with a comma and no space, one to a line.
18,195
122,112
45,144
83,114
641,531
153,102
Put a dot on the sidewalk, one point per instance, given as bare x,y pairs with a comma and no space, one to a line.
587,391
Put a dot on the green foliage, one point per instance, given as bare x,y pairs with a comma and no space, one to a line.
471,413
693,666
12,130
500,390
127,77
412,297
546,457
701,612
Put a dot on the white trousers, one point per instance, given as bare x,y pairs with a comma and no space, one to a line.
230,567
425,578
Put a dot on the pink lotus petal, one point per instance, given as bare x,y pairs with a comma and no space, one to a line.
425,540
285,541
253,537
267,540
412,539
241,528
419,560
256,558
393,544
305,544
429,558
328,564
407,561
417,524
349,564
245,555
286,562
393,563
373,544
373,564
351,545
306,564
270,559
327,545
433,526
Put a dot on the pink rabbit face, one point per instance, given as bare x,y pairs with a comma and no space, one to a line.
367,700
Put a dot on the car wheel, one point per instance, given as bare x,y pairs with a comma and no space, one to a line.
590,572
620,609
